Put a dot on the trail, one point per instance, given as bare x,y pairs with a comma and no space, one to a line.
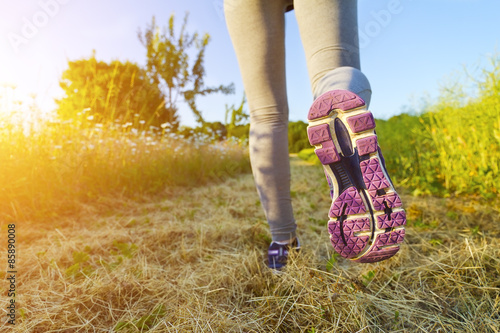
193,260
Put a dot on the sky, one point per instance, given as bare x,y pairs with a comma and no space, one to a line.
407,56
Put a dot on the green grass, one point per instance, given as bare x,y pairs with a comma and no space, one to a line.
452,148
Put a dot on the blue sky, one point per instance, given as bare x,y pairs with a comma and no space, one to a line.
408,57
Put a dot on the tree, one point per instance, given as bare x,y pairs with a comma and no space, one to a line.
170,68
112,91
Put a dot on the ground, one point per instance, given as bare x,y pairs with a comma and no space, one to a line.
193,259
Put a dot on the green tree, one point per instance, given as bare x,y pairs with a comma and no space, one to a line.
112,91
170,67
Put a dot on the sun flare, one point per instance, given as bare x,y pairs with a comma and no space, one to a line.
17,106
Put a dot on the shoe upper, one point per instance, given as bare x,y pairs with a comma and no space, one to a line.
278,253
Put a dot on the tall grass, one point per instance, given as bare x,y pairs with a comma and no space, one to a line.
453,147
55,169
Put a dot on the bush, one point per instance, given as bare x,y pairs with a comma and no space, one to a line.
297,136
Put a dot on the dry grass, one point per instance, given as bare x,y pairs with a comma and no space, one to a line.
55,169
194,262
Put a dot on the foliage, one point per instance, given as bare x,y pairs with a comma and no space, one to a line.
115,91
170,68
297,136
454,147
309,155
210,131
236,125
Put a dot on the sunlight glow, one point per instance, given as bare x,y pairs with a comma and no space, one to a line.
19,108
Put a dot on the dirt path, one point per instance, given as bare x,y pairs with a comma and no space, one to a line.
195,262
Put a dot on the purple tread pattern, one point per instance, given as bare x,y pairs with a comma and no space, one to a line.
380,255
361,122
319,134
349,202
353,200
335,99
328,153
372,174
367,145
355,244
397,219
391,199
388,239
379,251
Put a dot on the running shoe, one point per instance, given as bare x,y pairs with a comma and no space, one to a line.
278,253
366,218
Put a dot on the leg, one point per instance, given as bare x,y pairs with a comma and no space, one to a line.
257,31
329,32
366,220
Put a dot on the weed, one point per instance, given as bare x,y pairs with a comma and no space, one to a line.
330,264
368,277
146,322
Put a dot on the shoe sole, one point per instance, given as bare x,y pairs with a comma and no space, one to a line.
366,218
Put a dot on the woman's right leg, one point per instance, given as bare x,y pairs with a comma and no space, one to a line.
329,33
257,30
366,221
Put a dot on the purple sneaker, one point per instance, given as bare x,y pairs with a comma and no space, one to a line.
278,253
366,218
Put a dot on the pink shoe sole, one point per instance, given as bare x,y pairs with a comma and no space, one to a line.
366,216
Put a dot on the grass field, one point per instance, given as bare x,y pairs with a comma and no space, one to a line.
193,261
132,229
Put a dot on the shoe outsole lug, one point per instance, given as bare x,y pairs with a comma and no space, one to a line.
319,134
392,200
366,219
367,145
336,99
328,153
349,202
393,220
373,176
361,123
349,245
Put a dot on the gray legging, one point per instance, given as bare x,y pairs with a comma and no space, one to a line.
328,29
